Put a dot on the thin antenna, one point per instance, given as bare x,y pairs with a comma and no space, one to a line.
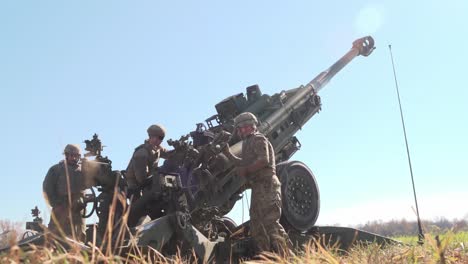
420,235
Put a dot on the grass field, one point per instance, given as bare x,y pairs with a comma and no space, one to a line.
445,248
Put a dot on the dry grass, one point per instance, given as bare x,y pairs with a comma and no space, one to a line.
119,246
450,248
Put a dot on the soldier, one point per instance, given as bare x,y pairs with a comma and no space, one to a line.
144,162
257,163
63,189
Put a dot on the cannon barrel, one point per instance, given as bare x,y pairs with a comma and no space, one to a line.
363,46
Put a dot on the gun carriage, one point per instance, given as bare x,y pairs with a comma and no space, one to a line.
280,116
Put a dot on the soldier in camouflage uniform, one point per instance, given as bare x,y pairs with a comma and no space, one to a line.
63,189
144,162
257,163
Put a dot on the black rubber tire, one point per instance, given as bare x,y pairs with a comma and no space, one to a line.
300,195
94,202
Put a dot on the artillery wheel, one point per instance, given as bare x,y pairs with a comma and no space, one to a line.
300,195
89,198
224,226
228,224
28,234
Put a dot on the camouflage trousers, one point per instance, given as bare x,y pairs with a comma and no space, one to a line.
265,213
147,204
61,223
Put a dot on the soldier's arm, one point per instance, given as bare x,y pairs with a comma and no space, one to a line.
261,151
49,187
233,158
164,153
140,164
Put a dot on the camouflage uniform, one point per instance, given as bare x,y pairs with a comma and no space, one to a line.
56,192
143,163
265,210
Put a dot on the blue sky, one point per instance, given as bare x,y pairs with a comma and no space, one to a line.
69,69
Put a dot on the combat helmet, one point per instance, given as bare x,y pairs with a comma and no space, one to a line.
72,149
156,131
246,118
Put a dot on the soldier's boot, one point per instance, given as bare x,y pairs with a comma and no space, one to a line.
281,245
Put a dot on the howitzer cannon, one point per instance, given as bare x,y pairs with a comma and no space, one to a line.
199,171
281,116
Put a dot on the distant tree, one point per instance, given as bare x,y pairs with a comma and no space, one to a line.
404,227
460,225
9,232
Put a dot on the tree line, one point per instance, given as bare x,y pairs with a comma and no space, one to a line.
410,228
